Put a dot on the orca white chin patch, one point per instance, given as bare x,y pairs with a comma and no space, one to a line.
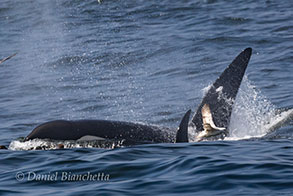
211,131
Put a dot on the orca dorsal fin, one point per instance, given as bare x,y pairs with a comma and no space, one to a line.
222,94
182,133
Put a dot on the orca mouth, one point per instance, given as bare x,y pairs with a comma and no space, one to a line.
211,135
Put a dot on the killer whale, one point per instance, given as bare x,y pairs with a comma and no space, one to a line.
222,93
105,129
220,98
128,132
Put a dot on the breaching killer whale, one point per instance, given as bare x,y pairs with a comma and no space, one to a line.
216,108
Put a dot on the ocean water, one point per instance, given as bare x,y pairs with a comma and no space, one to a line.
148,62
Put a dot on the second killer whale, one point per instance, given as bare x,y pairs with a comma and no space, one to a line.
219,99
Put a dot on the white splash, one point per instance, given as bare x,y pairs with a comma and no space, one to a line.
251,113
30,145
281,119
39,144
206,89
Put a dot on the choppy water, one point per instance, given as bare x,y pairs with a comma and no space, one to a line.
145,61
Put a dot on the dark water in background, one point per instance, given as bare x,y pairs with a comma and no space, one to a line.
147,62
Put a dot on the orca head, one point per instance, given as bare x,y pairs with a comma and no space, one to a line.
182,133
220,99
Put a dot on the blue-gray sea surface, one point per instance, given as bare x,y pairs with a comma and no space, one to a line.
148,62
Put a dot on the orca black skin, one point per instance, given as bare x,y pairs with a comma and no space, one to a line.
221,101
131,133
182,133
220,97
112,130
